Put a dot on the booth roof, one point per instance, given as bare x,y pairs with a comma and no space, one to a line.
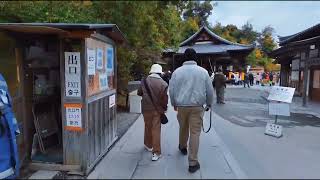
58,28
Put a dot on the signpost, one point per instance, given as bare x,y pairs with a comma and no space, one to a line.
279,104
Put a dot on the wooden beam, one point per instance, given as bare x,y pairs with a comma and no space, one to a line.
79,34
305,80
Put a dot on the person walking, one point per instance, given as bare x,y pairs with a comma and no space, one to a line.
166,76
258,78
9,156
251,78
153,90
271,79
220,85
190,89
246,80
236,79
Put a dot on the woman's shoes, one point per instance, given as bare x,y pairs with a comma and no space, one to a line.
155,157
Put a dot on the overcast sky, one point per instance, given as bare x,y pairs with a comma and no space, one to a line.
286,17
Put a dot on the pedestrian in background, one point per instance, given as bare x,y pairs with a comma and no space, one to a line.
190,89
251,78
278,79
271,78
258,78
153,90
246,80
166,76
220,85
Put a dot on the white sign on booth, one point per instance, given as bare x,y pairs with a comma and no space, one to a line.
73,117
112,100
91,53
72,74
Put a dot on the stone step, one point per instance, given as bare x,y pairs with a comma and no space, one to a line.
43,174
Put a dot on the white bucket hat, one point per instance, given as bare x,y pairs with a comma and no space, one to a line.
156,68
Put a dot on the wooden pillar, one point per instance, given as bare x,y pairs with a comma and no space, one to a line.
173,68
305,80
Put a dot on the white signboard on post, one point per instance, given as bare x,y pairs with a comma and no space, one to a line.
278,108
72,74
282,94
73,117
279,104
91,53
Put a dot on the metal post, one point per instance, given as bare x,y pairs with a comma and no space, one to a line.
276,119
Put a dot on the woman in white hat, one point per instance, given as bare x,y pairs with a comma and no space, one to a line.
153,90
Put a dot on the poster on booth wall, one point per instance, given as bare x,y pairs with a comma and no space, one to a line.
110,60
112,100
99,58
103,81
91,53
73,117
72,74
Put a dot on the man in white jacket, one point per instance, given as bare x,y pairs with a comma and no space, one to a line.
190,88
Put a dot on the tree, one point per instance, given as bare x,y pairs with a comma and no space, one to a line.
266,40
248,33
149,27
198,10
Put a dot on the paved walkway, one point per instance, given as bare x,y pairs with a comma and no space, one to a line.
129,159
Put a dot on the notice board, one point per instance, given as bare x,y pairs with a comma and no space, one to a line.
281,94
100,66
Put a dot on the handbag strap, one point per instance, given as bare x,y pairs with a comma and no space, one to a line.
149,92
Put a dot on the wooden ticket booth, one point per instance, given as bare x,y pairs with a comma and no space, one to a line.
67,92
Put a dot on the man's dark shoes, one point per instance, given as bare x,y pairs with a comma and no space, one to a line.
193,169
184,151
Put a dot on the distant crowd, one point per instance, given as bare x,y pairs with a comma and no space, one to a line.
251,78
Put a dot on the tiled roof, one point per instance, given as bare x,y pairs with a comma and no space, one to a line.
214,48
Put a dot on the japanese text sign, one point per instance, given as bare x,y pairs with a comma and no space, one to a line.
91,53
282,94
73,117
72,74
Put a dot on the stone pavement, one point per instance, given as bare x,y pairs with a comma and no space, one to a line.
312,108
128,158
242,126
